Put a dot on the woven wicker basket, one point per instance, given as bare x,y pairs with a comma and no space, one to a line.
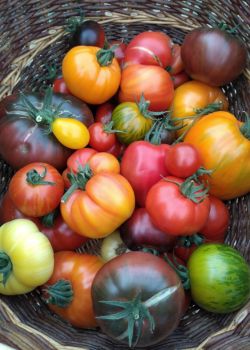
32,34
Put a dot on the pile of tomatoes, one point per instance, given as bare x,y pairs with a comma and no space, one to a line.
133,146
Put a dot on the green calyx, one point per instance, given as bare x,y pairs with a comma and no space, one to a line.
73,23
226,28
143,106
181,271
159,125
59,294
105,56
46,114
108,128
5,267
188,241
49,219
199,112
77,180
34,178
245,128
193,191
136,312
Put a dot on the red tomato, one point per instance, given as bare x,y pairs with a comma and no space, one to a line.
176,65
171,206
119,51
179,79
117,149
213,231
149,48
143,164
59,85
183,160
68,291
36,189
153,82
100,139
217,222
104,113
60,235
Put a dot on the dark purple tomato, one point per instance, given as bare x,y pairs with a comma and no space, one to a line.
89,33
24,140
138,299
139,232
213,56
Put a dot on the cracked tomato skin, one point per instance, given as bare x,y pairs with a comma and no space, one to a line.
174,213
132,273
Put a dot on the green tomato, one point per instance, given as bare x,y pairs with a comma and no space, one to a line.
219,278
132,121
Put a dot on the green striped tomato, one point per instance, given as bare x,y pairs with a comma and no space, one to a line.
131,121
219,278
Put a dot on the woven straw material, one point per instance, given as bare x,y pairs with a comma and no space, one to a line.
32,34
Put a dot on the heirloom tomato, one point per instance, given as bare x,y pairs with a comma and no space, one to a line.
103,112
138,299
149,48
153,82
68,291
143,164
112,246
177,207
139,232
224,146
36,189
102,137
96,193
25,132
26,257
213,55
191,98
219,278
91,74
132,120
88,33
176,66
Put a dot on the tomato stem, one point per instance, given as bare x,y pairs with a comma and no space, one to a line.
48,220
59,294
77,180
105,56
188,241
34,178
5,267
143,106
108,128
245,128
181,271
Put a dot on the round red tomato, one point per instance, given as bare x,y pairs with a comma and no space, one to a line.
149,48
182,160
59,85
153,82
36,189
101,137
177,207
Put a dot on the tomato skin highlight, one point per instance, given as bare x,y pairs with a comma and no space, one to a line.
219,278
86,78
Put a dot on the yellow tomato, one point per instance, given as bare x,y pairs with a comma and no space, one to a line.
194,95
26,257
71,132
91,74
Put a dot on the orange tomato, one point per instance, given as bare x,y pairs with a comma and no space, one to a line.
153,82
194,95
89,75
224,146
74,303
106,202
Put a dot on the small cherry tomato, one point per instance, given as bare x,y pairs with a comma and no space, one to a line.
70,132
89,33
104,112
59,85
101,137
182,160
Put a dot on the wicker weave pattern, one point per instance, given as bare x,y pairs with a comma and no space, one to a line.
32,33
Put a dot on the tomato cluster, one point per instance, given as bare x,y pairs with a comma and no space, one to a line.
133,146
